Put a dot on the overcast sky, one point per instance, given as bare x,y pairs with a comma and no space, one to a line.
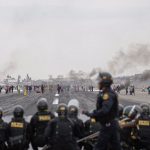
43,37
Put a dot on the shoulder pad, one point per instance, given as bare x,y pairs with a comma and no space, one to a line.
106,97
93,120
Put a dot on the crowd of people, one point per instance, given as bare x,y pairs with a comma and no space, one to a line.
130,90
7,89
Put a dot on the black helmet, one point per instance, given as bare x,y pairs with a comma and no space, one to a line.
18,111
145,108
127,110
62,110
131,111
134,111
72,111
1,112
105,79
121,108
42,104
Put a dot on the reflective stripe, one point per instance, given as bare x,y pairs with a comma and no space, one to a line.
143,123
17,125
44,118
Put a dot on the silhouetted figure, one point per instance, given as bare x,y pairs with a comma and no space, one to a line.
42,88
12,89
30,89
148,90
58,89
126,90
1,89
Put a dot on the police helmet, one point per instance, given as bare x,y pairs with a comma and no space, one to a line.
145,108
105,79
121,108
131,111
127,110
134,111
18,111
1,112
72,111
42,104
73,108
62,110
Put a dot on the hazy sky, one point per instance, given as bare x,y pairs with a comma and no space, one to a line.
43,37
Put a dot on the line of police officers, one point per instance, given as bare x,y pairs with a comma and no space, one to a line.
62,132
135,127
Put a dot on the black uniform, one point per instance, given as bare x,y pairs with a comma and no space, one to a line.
38,125
42,88
59,89
3,135
125,134
143,126
106,113
80,125
91,127
19,134
61,134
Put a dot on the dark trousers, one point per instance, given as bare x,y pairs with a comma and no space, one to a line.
65,146
17,147
109,135
3,146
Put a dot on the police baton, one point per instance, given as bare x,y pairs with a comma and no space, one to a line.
82,148
46,147
92,136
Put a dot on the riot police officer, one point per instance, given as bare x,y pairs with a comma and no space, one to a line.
127,126
61,132
91,127
106,113
145,110
73,112
18,131
143,127
39,122
3,132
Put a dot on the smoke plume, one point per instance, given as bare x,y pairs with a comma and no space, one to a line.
78,75
127,82
145,75
137,56
94,72
9,67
